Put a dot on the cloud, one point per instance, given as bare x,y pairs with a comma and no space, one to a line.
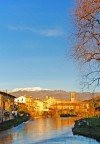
43,32
52,32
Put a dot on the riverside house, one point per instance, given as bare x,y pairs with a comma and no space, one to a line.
27,100
21,99
6,106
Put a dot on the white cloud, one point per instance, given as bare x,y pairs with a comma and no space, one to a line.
44,32
52,32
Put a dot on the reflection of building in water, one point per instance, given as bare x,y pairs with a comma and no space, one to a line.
45,126
64,122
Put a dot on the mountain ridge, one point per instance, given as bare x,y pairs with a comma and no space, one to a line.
58,94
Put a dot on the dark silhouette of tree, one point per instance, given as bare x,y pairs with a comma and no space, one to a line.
87,49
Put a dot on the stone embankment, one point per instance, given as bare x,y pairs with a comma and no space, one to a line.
14,122
89,127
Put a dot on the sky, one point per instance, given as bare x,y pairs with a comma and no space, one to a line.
34,45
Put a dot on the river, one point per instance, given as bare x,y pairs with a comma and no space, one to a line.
44,131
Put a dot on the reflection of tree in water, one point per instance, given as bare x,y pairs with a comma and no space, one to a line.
63,122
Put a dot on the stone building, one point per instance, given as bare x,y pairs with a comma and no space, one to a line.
6,106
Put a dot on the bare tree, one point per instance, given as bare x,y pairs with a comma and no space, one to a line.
87,49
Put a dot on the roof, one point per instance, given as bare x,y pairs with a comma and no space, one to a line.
28,96
7,94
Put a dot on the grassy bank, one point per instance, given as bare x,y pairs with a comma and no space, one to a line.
14,122
89,127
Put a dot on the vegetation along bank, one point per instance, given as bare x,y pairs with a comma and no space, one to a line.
89,127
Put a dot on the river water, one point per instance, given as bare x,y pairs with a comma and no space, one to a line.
44,131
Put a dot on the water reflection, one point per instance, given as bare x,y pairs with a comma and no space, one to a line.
44,131
48,127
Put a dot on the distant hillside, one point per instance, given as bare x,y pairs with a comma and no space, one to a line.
59,94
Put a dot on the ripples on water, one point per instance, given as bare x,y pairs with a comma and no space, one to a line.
44,131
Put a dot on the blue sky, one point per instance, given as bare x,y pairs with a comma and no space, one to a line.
34,41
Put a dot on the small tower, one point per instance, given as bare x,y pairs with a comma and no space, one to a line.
47,97
72,96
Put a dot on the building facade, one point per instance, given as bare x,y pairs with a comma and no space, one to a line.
6,106
21,99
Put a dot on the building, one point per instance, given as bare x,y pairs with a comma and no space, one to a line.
48,102
38,106
6,106
29,102
72,96
71,106
21,99
80,106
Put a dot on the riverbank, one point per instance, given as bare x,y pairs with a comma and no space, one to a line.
14,122
89,127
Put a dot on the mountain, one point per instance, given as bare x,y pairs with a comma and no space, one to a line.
37,92
28,89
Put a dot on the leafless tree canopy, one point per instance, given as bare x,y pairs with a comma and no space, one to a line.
87,49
